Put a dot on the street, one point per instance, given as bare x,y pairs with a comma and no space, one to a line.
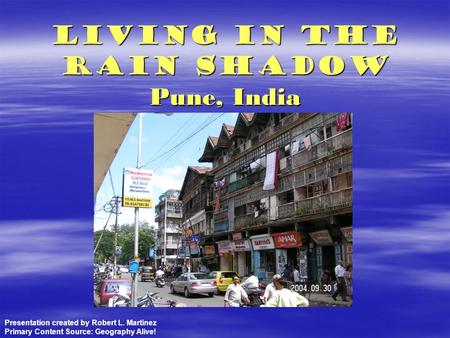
193,301
202,300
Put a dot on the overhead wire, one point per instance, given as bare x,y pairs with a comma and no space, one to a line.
184,141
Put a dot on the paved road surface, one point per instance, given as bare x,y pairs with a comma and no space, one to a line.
195,300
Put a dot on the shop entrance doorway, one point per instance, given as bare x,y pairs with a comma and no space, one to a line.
328,259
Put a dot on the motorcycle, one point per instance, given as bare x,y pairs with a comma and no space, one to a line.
160,281
255,297
151,299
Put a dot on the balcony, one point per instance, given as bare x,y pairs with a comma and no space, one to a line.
174,214
325,203
245,182
171,244
249,221
286,210
324,148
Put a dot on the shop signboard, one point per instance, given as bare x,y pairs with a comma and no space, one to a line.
224,247
242,245
347,232
193,246
281,258
262,242
137,188
321,237
209,250
195,238
236,236
289,239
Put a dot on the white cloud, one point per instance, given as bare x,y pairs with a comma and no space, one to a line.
169,178
44,247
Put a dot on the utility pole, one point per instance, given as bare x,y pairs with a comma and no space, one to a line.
116,230
136,221
165,229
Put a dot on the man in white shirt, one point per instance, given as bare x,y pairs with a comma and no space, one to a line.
270,291
339,271
235,295
285,297
251,284
296,275
159,272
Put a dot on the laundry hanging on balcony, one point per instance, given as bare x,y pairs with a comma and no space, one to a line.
342,121
308,142
272,166
219,187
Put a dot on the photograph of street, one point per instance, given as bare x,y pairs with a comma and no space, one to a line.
223,209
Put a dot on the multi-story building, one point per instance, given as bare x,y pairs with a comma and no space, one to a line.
197,223
168,216
282,193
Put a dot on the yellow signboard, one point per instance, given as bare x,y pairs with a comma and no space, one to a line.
137,202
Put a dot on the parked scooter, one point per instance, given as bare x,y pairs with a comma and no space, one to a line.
151,299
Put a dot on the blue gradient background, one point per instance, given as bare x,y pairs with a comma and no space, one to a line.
401,159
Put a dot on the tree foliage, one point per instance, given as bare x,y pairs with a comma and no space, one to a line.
125,239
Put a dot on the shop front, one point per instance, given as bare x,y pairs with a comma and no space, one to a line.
286,249
325,253
242,256
226,255
263,256
209,258
195,256
347,245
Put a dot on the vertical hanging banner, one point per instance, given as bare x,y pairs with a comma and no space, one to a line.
137,188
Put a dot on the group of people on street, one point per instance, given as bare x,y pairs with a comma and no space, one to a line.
291,273
276,293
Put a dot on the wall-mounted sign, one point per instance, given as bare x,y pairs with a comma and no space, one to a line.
193,246
137,191
347,232
281,260
195,238
224,247
236,236
263,242
321,237
209,250
289,239
241,245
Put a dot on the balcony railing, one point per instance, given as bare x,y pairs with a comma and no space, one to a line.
286,210
324,148
323,203
174,214
245,182
248,221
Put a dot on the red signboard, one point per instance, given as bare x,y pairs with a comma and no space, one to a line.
289,239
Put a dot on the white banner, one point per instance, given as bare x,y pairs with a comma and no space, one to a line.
137,188
270,182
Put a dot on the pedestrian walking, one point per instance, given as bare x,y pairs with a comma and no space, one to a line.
296,275
349,279
270,291
339,270
235,296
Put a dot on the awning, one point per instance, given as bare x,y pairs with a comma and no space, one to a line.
110,130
